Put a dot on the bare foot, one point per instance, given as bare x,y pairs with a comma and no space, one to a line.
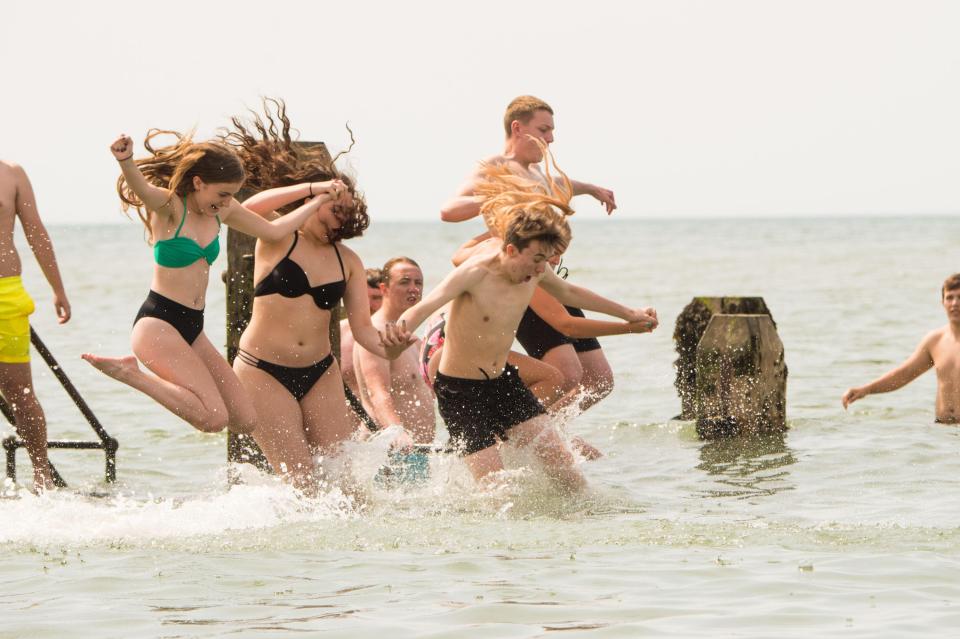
119,368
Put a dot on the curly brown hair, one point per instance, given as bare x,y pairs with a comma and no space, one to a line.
273,158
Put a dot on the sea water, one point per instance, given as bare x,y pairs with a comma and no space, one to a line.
846,525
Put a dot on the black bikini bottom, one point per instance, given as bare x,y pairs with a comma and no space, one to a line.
188,321
538,338
298,381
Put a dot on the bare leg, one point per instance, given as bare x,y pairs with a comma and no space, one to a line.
181,382
597,380
16,386
549,448
328,423
565,359
543,380
279,432
242,416
484,462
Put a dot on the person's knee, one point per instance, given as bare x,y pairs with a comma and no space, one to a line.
600,385
597,379
213,421
571,372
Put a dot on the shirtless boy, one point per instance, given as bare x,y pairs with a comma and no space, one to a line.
16,383
940,349
527,121
480,396
393,392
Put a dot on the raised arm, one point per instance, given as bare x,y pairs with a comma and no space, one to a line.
917,364
265,203
247,221
40,243
154,198
554,314
580,297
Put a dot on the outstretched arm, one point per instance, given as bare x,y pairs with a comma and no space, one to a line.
580,297
917,364
554,314
459,280
40,244
604,196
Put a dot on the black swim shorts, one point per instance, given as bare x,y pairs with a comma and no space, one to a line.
479,412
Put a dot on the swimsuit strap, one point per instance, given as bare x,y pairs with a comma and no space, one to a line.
296,237
340,259
182,219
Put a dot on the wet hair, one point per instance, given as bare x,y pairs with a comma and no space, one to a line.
273,158
374,277
519,209
952,283
390,264
174,167
522,109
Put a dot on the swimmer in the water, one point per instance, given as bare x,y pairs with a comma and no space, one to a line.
939,350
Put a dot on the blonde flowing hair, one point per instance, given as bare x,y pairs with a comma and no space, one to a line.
173,167
519,209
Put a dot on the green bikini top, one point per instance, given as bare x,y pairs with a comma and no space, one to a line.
178,252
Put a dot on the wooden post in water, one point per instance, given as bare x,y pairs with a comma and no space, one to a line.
239,281
691,324
741,385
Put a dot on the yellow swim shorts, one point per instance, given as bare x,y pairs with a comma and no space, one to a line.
15,307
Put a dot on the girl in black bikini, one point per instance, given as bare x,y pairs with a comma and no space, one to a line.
285,361
182,193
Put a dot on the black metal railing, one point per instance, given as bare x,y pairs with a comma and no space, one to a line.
107,443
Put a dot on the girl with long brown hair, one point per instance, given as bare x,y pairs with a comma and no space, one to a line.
285,361
182,194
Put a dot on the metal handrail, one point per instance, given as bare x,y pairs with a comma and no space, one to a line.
108,444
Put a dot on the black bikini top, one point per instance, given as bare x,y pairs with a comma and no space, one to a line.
288,279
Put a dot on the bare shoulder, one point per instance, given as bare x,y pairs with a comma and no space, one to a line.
10,172
934,341
351,261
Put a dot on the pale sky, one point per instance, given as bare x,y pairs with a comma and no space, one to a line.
683,108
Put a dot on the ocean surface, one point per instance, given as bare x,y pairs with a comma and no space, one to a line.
846,526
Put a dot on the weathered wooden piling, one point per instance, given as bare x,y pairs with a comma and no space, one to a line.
239,282
741,377
690,326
